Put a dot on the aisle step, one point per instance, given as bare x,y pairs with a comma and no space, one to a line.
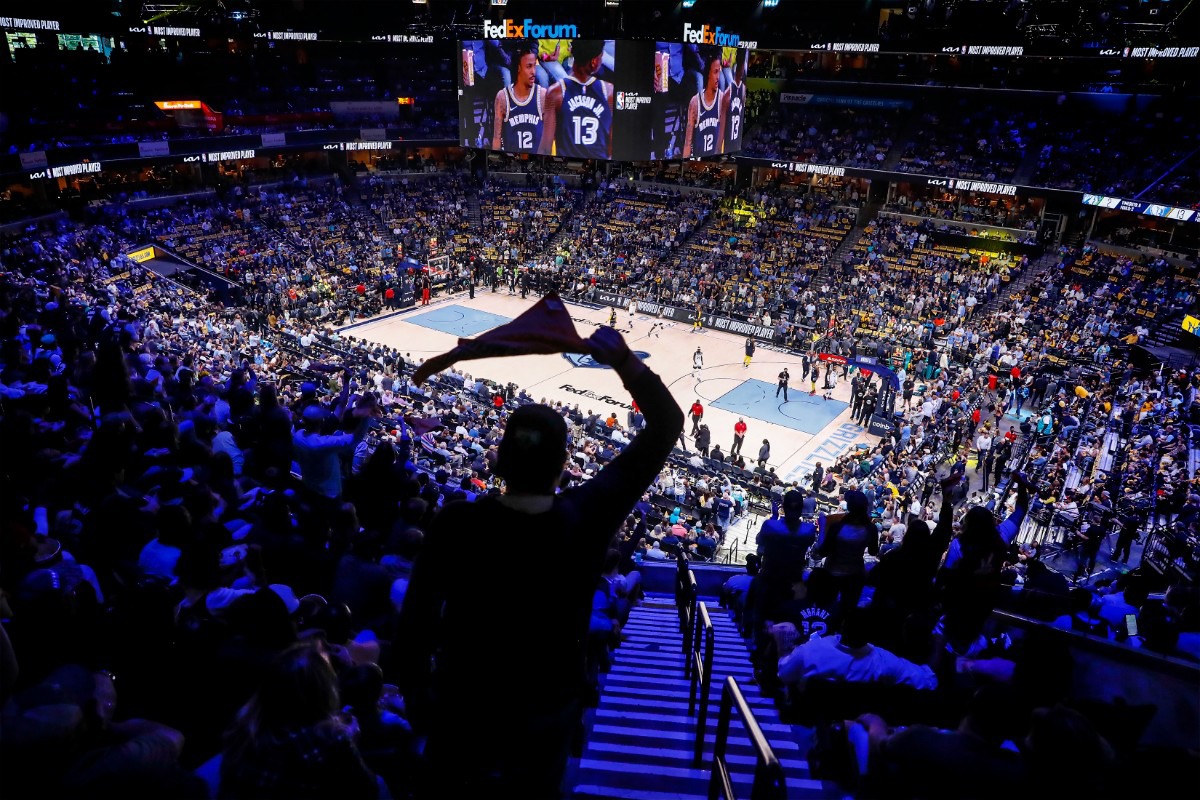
640,740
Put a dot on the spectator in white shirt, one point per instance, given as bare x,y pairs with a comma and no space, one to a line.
983,444
848,656
655,553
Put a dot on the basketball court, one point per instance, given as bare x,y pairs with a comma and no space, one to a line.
802,430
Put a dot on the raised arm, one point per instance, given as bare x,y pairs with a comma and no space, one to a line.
617,487
691,126
1009,528
608,93
722,115
726,100
550,118
498,114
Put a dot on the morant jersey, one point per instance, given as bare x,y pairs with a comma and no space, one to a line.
521,131
736,117
708,120
584,121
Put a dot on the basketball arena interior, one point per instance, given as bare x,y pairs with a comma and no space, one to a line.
632,399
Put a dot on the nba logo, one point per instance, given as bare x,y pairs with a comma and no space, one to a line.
620,101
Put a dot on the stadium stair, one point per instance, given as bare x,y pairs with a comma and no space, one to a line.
831,271
900,140
1167,331
640,739
564,232
1023,175
670,259
1037,267
474,214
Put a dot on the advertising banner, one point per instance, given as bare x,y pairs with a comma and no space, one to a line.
1139,207
154,149
34,160
356,108
677,314
141,255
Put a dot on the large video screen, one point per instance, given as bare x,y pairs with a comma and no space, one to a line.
699,107
601,98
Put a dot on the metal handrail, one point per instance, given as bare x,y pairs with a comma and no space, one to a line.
731,553
689,615
680,569
701,664
685,599
768,783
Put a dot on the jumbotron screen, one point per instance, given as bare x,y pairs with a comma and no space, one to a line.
602,98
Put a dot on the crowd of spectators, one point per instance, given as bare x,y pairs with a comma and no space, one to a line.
520,221
986,143
625,229
873,593
842,137
111,97
164,538
220,502
980,210
754,257
1121,156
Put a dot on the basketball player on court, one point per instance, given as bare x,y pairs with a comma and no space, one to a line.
734,101
579,107
519,108
706,113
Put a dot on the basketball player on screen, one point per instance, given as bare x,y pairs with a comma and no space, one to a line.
734,101
518,118
706,113
579,107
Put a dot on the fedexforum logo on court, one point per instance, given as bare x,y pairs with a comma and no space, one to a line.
527,29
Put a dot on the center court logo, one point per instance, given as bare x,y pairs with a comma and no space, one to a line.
527,29
587,362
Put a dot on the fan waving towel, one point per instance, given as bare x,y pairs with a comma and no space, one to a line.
423,425
544,328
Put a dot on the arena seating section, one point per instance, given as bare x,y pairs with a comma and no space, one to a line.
311,256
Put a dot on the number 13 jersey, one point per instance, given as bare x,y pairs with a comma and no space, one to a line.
584,121
736,118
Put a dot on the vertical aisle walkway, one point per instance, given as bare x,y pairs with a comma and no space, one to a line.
640,741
